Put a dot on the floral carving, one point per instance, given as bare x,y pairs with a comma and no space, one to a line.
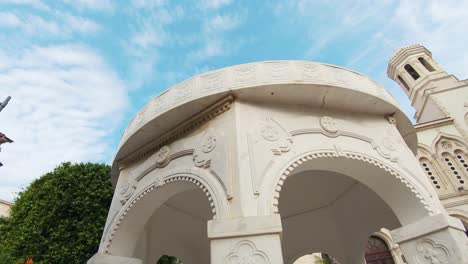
311,71
271,131
209,144
202,155
244,74
163,154
389,143
245,252
213,81
329,124
446,145
126,191
430,252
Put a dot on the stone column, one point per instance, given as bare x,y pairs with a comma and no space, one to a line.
100,258
436,239
255,239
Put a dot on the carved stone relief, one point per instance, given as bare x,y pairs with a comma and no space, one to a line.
329,124
430,252
162,155
311,71
201,156
245,252
126,191
183,91
278,70
244,74
281,140
212,81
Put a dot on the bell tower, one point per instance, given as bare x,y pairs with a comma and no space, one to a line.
434,93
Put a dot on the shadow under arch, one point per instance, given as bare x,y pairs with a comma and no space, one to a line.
141,215
401,201
407,202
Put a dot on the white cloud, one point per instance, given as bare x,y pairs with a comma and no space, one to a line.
61,26
221,23
31,3
99,5
9,19
81,24
214,4
65,101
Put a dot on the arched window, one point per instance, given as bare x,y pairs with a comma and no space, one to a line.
403,82
377,252
462,164
427,167
426,64
412,71
453,168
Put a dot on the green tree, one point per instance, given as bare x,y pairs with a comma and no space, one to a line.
59,218
165,259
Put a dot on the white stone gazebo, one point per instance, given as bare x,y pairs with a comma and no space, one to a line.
266,162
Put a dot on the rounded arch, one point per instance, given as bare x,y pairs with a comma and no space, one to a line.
459,214
424,150
125,230
407,202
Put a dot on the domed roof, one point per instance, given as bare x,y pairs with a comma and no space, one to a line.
294,82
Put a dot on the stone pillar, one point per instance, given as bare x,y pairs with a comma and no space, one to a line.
255,239
438,239
100,258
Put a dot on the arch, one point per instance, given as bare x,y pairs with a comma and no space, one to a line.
436,143
122,234
426,64
460,214
411,71
378,249
414,198
403,82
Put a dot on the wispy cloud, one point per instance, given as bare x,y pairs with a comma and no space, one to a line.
97,5
66,99
38,4
214,4
63,25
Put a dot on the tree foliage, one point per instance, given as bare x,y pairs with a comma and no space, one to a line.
59,218
165,259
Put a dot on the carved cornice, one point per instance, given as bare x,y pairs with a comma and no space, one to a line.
182,129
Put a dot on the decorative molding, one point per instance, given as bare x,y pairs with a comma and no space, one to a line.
329,124
273,132
160,181
430,252
162,155
201,156
180,130
245,252
126,191
350,155
377,147
251,74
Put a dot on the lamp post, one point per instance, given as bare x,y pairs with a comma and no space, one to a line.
3,137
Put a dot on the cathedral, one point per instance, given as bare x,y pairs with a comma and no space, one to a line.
271,162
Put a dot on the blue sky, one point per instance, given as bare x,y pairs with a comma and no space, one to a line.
78,70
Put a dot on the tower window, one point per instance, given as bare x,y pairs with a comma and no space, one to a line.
403,82
412,71
426,64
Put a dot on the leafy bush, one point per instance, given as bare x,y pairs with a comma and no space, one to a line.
58,218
